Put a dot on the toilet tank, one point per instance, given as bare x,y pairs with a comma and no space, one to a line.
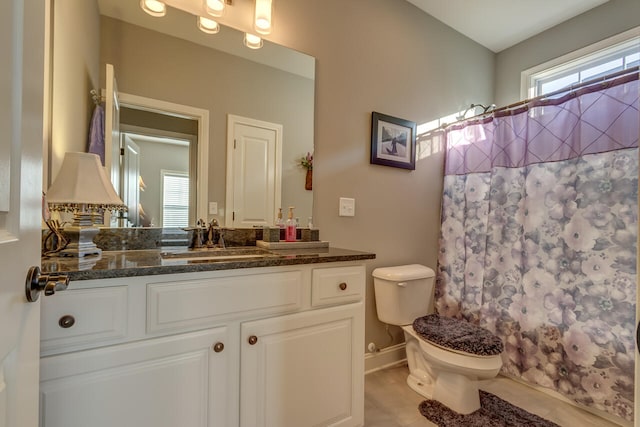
403,293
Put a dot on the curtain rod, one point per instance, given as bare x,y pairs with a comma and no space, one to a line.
568,89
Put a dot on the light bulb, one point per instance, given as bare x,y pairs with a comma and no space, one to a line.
252,41
154,7
214,7
262,22
207,25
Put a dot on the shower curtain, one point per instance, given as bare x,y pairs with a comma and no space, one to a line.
538,239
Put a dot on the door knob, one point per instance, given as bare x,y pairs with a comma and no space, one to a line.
49,283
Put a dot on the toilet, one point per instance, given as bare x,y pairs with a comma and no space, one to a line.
446,357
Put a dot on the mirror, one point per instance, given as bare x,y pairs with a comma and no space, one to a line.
170,60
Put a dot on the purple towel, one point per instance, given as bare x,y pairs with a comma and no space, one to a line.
96,133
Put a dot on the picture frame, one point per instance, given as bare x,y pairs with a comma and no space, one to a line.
393,141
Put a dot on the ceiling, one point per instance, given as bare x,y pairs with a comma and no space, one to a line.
499,24
495,24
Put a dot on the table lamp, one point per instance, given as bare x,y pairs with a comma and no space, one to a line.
82,187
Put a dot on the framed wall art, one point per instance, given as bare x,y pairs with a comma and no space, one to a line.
393,141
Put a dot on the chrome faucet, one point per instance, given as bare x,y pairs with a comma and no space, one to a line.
215,238
197,238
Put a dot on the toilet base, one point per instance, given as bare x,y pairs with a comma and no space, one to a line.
421,384
450,378
457,392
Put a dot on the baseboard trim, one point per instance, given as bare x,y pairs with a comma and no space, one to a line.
385,358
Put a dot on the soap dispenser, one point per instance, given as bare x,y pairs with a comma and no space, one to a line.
290,229
279,220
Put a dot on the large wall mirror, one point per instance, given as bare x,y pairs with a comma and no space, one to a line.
169,60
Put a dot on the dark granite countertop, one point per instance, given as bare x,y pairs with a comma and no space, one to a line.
170,260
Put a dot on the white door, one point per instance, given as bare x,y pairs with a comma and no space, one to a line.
131,180
22,25
112,135
254,162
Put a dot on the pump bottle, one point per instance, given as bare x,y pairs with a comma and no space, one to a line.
279,220
290,228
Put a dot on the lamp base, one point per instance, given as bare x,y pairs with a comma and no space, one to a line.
80,241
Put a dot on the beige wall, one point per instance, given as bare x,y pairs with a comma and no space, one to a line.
609,19
385,56
75,60
165,156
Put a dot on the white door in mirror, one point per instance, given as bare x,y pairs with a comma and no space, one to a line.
254,172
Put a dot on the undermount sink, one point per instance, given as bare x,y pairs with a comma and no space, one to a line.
216,254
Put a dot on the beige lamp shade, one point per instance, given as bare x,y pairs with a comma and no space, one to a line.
82,181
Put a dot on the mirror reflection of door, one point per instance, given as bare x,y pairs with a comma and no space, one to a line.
161,143
130,180
112,136
254,171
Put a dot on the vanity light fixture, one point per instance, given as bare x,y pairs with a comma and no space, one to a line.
214,7
262,20
252,41
82,187
207,25
154,7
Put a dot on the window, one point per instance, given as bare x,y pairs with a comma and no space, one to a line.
606,57
175,199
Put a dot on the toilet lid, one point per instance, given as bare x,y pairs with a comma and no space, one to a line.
458,335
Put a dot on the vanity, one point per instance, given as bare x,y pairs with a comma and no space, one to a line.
151,338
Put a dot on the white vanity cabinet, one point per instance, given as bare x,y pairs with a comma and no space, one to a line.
273,346
167,382
298,370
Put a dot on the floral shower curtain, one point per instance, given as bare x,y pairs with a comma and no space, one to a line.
538,239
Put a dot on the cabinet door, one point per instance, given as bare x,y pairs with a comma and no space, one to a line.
165,382
304,369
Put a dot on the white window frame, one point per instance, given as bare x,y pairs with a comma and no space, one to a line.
163,173
574,59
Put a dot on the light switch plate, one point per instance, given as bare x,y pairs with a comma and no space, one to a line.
347,207
213,208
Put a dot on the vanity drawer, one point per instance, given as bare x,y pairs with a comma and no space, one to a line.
79,318
202,303
337,285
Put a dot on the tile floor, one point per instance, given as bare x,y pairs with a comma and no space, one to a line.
389,402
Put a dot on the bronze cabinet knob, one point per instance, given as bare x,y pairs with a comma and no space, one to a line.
218,347
253,339
67,321
343,286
